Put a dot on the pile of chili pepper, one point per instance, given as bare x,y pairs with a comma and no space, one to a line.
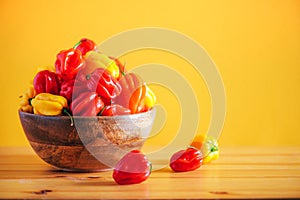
86,82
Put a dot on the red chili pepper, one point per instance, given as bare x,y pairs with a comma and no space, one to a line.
70,87
85,45
87,104
46,82
103,83
133,168
68,63
186,160
115,109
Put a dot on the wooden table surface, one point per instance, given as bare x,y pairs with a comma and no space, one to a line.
240,172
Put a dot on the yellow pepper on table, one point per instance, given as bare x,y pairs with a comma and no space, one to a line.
208,146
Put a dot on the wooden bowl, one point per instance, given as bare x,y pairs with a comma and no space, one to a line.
91,144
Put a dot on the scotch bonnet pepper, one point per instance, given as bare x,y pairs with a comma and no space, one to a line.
48,104
68,63
208,146
210,149
85,45
142,99
103,83
122,70
186,160
71,88
133,168
115,109
95,59
46,82
25,99
135,94
87,104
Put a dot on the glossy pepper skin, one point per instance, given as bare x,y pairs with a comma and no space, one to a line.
25,104
48,104
210,149
85,45
122,70
135,94
95,59
142,99
103,83
133,168
115,109
186,160
129,84
213,155
70,88
87,104
208,146
68,63
46,82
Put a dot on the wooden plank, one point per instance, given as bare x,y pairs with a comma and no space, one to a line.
249,173
154,188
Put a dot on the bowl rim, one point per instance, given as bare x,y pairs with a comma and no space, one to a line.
86,117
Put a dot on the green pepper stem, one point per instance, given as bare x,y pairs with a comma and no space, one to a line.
123,72
66,111
77,44
101,111
214,148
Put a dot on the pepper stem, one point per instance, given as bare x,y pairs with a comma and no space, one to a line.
214,148
66,111
77,44
101,111
123,72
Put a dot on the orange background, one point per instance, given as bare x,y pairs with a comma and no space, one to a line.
255,44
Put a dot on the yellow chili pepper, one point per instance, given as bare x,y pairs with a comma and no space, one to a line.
95,60
25,100
48,104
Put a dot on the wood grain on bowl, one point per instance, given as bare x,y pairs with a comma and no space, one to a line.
92,144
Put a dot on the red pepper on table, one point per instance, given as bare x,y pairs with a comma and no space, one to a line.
115,109
103,83
46,82
133,168
186,160
85,45
87,104
68,63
